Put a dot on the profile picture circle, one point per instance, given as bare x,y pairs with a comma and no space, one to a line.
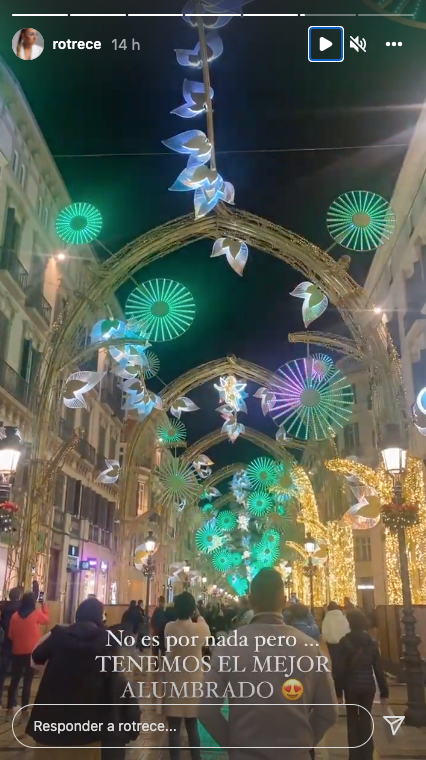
27,44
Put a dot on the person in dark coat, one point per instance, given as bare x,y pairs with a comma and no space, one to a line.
158,623
73,676
301,618
7,609
357,663
133,617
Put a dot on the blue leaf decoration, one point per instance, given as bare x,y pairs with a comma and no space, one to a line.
195,100
193,57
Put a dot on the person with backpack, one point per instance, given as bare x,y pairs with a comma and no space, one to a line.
357,664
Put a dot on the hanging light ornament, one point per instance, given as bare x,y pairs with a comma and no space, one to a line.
360,220
77,385
111,473
196,519
260,503
226,521
166,308
236,252
222,560
209,538
243,522
231,395
171,433
78,223
268,400
194,94
176,482
314,301
107,329
202,466
322,366
240,486
152,367
220,12
211,493
285,485
182,404
194,58
310,407
264,554
261,473
139,398
238,583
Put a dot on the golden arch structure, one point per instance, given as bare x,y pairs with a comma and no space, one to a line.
369,339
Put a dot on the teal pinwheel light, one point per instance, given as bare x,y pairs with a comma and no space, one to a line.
165,308
261,472
226,520
360,220
171,433
266,555
222,560
260,503
209,538
78,223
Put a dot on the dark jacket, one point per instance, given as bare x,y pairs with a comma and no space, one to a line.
133,618
8,609
73,689
308,626
357,662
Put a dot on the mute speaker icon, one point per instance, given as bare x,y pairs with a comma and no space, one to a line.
358,44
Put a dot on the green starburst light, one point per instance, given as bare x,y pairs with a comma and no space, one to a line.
260,503
153,367
78,223
222,560
226,520
171,433
360,220
177,483
237,558
164,307
261,472
209,538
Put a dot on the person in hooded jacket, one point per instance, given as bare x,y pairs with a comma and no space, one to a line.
24,633
358,662
73,676
7,609
303,620
334,626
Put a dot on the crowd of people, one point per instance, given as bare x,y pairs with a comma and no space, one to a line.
71,675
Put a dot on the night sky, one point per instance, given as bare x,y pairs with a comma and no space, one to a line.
268,98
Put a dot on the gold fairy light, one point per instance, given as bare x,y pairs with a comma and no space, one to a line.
341,561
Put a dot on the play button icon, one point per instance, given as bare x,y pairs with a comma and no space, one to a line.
326,44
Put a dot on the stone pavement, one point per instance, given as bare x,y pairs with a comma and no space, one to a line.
408,744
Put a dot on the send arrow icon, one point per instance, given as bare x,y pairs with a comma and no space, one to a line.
324,44
395,722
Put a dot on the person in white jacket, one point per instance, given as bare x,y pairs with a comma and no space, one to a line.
26,47
334,627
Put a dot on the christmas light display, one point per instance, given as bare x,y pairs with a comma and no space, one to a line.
107,329
193,57
260,503
77,385
111,472
360,220
202,466
177,481
8,523
222,560
237,559
266,554
322,366
194,94
196,519
152,367
231,395
314,301
309,406
243,522
220,12
78,223
236,252
238,583
165,307
171,433
268,400
240,486
211,493
209,538
226,520
182,404
271,537
138,398
284,484
262,472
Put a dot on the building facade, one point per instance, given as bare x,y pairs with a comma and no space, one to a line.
36,275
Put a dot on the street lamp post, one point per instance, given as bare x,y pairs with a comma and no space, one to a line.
186,569
11,448
310,569
204,588
150,545
395,460
288,579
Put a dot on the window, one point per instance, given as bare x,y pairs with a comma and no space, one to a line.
353,389
101,440
142,498
26,360
39,206
4,332
22,175
12,231
85,423
112,447
15,162
351,436
362,550
45,217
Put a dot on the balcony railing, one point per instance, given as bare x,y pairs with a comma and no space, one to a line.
14,383
86,450
37,301
66,431
10,263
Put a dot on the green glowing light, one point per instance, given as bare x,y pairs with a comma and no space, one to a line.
261,472
165,308
226,520
360,220
222,560
78,223
208,538
260,503
171,432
